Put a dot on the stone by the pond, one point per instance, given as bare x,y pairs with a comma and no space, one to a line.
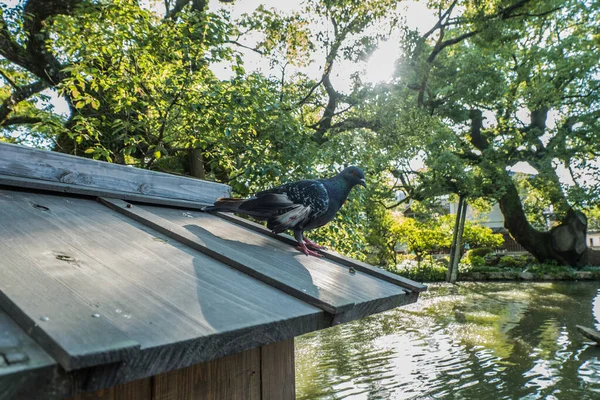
527,276
583,275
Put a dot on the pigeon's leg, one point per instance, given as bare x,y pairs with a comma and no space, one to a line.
302,247
312,245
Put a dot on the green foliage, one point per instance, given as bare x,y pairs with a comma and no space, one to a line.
593,215
511,262
426,271
476,257
469,101
421,238
481,252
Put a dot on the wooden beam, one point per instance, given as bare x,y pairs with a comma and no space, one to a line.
236,377
29,183
262,373
25,162
331,255
136,390
278,371
185,237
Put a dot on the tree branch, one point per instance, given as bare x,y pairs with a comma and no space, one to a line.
20,121
7,79
20,94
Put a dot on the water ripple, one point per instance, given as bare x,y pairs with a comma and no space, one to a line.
511,341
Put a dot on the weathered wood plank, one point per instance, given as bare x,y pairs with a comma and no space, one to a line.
64,326
57,320
332,255
18,380
140,389
225,254
236,377
589,333
180,305
322,279
278,380
67,188
50,166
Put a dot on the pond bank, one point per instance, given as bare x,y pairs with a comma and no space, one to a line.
529,276
435,271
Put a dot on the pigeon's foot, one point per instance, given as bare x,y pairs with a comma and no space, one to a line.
302,247
312,245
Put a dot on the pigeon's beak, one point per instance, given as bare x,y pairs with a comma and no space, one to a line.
362,182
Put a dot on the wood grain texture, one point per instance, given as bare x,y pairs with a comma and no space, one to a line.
236,377
224,254
67,188
17,380
331,255
25,162
140,389
63,325
278,380
320,278
180,305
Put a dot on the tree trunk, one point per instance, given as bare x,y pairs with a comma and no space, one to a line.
564,243
197,164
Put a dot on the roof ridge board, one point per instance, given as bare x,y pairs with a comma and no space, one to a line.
70,189
24,162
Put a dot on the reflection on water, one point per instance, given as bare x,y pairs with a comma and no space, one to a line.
469,341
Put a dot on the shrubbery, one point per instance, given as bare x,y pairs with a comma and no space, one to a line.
428,270
475,266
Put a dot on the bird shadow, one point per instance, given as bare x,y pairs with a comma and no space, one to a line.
276,260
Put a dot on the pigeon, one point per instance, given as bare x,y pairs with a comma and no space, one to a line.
297,206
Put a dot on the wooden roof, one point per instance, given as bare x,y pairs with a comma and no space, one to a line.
111,274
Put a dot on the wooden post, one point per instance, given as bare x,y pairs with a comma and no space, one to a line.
461,201
456,249
262,373
459,245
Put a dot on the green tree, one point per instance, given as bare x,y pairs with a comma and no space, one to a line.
493,84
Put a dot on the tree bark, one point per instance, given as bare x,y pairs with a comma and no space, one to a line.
197,164
564,243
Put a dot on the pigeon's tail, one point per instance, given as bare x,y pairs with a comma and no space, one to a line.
289,218
263,207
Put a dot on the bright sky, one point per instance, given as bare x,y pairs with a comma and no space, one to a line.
379,67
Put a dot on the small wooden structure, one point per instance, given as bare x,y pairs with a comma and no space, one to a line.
589,333
114,285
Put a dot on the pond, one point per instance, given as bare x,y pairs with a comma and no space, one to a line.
465,341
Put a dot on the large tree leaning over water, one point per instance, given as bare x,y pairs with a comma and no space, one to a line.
501,83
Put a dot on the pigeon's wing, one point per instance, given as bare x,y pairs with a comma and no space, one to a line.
309,198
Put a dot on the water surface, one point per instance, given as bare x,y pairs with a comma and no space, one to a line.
469,341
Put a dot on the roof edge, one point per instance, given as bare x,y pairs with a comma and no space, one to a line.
26,164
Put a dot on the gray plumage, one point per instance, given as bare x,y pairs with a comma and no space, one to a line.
297,206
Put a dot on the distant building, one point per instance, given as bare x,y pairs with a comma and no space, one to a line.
593,239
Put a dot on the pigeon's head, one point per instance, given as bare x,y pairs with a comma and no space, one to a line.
354,176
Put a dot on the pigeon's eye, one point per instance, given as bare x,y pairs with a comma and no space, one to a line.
354,173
